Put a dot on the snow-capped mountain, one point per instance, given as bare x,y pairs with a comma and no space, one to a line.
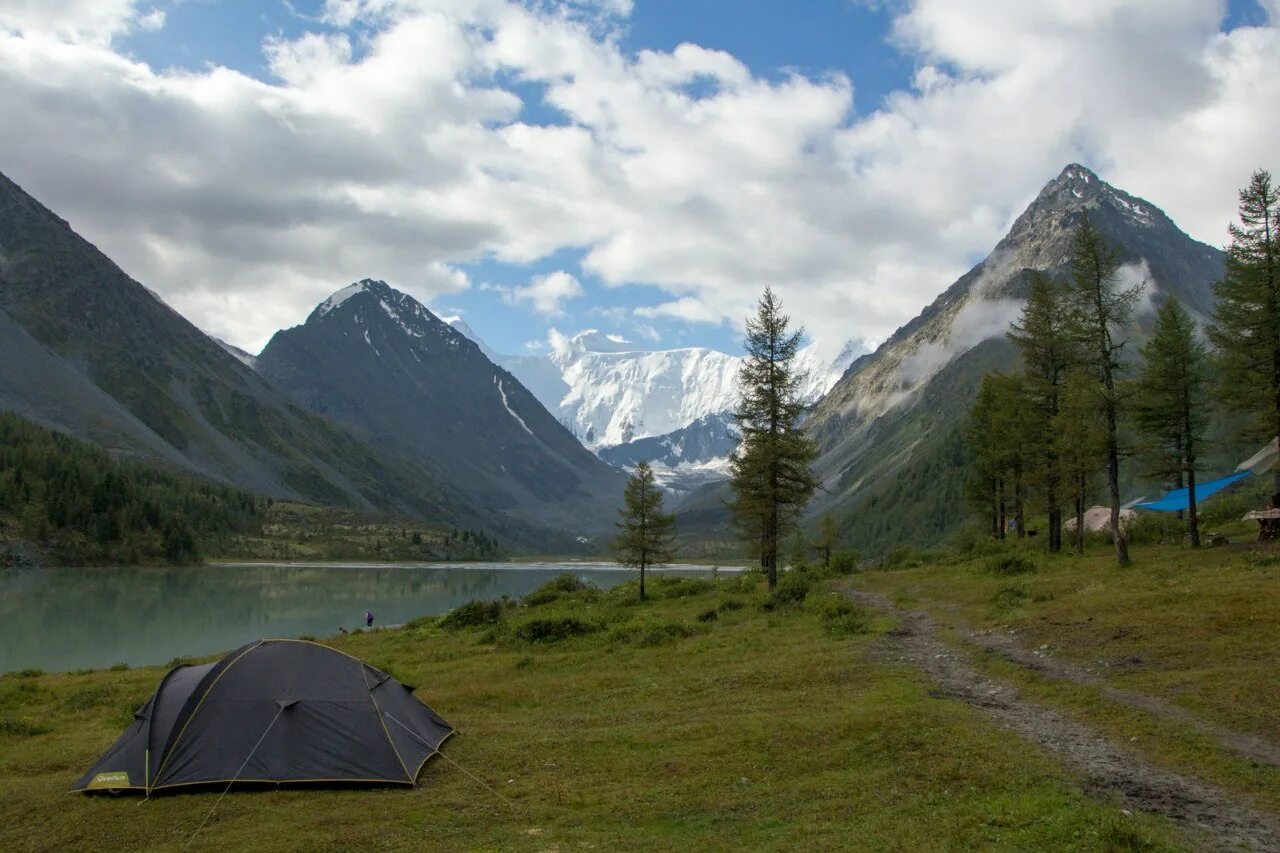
609,391
375,359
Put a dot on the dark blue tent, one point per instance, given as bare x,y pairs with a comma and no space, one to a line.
273,712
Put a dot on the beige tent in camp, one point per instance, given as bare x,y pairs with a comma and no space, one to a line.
1098,518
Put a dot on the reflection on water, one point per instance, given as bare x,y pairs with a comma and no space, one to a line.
63,619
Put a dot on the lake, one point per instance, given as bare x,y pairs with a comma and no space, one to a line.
59,619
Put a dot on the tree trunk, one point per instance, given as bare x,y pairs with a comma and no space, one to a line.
1113,481
1080,520
642,578
995,510
1000,505
1019,499
1193,520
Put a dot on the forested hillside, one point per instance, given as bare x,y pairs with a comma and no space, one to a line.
82,505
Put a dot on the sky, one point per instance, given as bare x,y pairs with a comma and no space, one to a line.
641,167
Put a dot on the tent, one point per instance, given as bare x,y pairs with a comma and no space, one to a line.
274,712
1180,499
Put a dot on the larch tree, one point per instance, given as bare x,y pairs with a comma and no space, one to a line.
985,483
1246,320
771,478
1043,336
1000,446
828,537
646,535
1099,311
1080,439
1170,404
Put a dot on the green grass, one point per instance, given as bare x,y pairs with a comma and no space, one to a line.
653,730
1198,629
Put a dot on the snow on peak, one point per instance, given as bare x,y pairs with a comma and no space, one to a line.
340,296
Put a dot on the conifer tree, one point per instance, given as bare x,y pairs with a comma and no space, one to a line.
1246,320
985,483
1170,404
772,481
1043,336
828,537
1001,441
1079,434
1099,312
646,535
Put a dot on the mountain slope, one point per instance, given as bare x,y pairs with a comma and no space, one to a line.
377,360
890,430
93,352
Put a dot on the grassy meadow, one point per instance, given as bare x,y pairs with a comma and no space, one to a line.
713,716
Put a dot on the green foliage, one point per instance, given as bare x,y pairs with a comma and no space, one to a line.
1246,318
22,727
1011,564
91,507
1099,310
557,587
646,535
648,634
901,557
841,617
772,481
1170,406
551,629
730,604
677,587
1080,439
844,562
709,615
472,614
792,588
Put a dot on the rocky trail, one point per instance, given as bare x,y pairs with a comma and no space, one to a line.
1107,767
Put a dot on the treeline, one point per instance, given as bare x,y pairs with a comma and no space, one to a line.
85,506
1050,437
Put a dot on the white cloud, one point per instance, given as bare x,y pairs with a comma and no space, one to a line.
244,202
546,293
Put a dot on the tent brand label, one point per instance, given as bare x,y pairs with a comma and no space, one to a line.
117,779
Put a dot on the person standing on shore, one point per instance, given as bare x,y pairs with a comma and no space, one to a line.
368,618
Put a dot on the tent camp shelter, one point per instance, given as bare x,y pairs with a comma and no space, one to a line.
273,712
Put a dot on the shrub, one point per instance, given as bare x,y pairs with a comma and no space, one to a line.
1010,564
29,673
1010,597
310,638
731,604
552,629
646,634
88,697
668,587
841,617
709,615
901,557
565,584
119,667
1157,527
844,562
181,660
25,728
792,589
472,614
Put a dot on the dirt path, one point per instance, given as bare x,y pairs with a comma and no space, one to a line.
1105,766
1006,645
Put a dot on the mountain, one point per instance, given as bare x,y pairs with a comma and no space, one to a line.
89,351
891,429
374,359
611,393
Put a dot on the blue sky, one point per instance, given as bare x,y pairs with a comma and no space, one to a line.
858,154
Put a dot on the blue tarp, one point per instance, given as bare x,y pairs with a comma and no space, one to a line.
1177,499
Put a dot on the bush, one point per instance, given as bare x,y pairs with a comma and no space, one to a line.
901,557
844,562
1163,528
181,660
562,585
119,667
668,587
646,634
552,629
26,728
1010,564
1010,597
472,614
841,617
709,615
792,589
731,604
29,673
